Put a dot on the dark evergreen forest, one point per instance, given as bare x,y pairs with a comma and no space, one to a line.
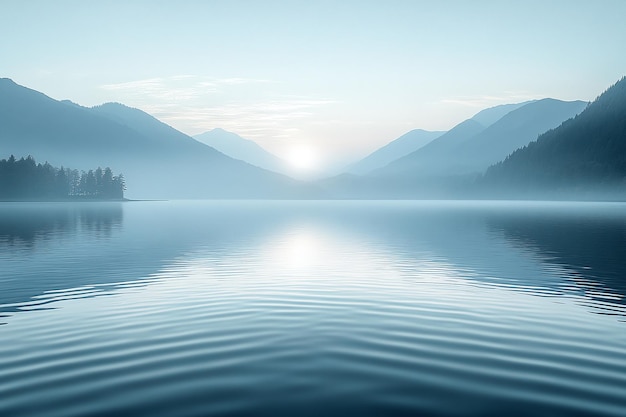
586,152
25,179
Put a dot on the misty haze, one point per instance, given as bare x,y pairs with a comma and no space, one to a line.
312,209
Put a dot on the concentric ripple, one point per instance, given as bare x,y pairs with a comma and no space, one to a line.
315,309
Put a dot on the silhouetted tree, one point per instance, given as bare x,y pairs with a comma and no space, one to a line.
90,184
119,186
24,179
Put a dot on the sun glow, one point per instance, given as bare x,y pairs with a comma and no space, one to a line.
302,157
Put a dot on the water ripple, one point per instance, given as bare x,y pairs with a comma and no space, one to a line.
316,321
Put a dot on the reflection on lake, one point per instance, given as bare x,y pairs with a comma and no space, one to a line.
26,223
313,308
586,242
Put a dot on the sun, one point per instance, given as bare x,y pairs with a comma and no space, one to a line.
302,157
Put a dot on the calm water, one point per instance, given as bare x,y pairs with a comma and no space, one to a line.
313,308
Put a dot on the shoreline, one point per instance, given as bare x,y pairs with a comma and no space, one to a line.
74,200
127,200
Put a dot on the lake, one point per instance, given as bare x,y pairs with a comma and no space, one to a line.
312,308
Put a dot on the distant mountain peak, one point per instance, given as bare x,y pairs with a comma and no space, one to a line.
489,116
114,105
398,148
70,103
220,134
121,112
246,150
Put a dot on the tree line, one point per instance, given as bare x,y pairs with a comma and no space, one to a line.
25,179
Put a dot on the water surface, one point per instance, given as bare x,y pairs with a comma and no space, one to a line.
312,308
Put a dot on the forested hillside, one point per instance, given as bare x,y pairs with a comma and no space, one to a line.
588,151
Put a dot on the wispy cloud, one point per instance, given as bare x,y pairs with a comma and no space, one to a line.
173,89
488,101
270,118
194,104
188,79
177,87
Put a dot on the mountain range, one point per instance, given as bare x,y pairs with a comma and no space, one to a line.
471,146
585,157
236,147
448,166
418,138
540,149
157,160
404,145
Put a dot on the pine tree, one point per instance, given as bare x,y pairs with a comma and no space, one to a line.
25,179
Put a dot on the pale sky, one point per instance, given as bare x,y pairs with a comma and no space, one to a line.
340,77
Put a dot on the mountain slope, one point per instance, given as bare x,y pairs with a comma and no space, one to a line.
516,129
430,157
584,155
31,122
473,148
491,115
236,147
157,160
404,145
160,134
